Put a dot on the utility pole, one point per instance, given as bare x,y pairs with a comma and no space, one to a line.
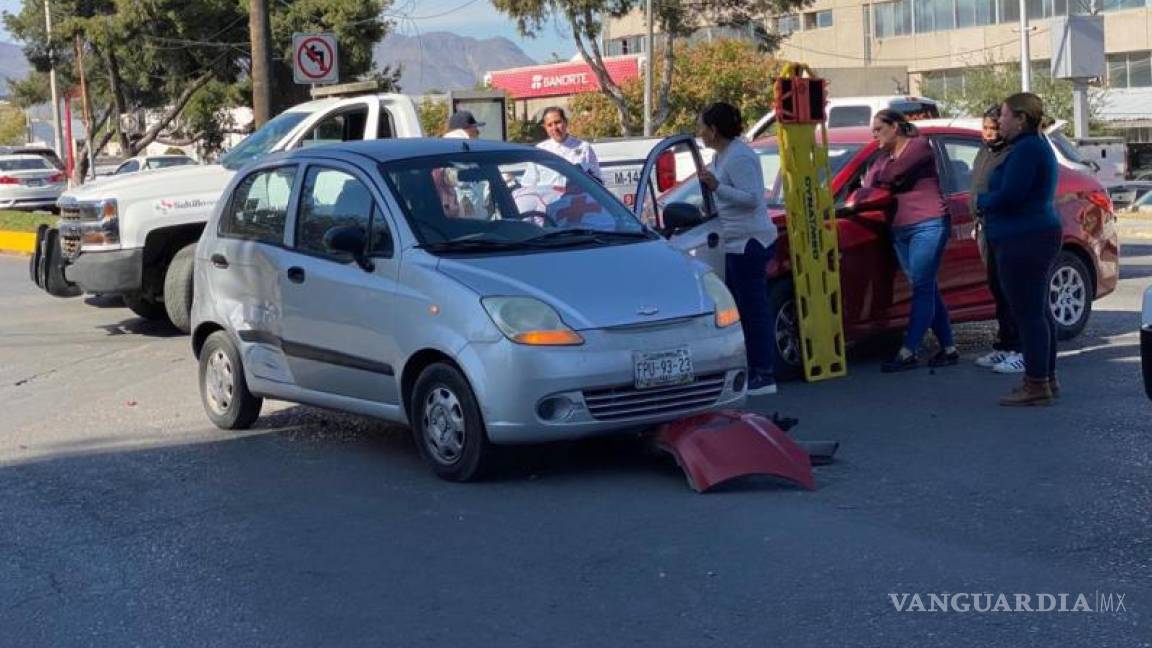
1025,51
649,51
57,139
261,36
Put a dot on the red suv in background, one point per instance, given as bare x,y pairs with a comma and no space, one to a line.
876,296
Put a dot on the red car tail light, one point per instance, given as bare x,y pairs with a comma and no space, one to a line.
1101,199
9,180
665,171
59,177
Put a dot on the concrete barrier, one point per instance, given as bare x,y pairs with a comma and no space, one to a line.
19,242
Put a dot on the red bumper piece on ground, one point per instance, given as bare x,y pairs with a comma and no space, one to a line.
716,447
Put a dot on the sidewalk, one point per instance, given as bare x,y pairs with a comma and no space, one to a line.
1134,226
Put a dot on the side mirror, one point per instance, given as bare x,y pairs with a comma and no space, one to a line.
679,216
351,240
869,200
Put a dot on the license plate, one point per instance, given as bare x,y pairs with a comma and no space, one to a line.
663,368
629,177
34,183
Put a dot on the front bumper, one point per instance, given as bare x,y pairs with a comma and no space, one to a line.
539,394
31,197
107,272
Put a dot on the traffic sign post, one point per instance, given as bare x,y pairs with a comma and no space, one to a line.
315,58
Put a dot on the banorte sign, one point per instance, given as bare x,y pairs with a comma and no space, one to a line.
562,78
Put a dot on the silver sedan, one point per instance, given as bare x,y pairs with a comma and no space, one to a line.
29,182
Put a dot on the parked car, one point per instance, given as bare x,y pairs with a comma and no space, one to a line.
29,182
1143,205
1146,341
354,277
149,162
1128,193
35,149
876,296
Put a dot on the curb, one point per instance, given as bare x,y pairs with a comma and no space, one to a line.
18,242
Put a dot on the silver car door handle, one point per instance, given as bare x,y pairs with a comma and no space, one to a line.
296,274
219,261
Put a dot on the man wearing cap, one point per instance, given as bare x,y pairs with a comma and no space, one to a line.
463,125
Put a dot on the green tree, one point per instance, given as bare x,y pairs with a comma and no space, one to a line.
729,70
433,116
13,125
674,20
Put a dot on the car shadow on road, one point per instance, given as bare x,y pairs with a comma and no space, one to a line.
141,326
104,301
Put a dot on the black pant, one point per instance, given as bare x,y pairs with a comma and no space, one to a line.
1007,337
1024,263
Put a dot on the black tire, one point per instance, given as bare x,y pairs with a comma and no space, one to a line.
785,329
1070,294
144,307
223,388
442,403
1146,358
178,288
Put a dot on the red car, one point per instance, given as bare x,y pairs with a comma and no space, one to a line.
876,295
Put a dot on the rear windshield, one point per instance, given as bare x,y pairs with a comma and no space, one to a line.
163,163
27,164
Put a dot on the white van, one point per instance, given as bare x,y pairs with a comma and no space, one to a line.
858,111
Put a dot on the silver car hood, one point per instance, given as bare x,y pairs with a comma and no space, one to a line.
603,287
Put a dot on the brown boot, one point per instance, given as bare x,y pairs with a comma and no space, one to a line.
1054,386
1030,392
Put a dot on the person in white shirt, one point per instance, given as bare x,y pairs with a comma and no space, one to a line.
564,144
470,196
737,180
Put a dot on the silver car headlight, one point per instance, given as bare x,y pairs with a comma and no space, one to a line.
726,312
527,320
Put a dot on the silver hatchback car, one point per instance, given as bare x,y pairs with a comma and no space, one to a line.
422,282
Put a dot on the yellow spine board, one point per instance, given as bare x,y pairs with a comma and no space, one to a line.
813,248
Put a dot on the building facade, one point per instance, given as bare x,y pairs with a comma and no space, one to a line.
937,40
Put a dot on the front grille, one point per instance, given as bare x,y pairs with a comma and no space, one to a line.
625,402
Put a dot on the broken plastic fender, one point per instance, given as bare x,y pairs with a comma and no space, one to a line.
719,446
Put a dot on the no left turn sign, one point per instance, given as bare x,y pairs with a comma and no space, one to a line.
314,58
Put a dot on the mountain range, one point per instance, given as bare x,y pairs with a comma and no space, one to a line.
442,61
13,65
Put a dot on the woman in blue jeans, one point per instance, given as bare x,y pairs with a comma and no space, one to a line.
1024,233
737,180
920,229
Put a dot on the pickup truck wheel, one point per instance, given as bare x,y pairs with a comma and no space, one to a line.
785,329
1070,295
178,288
144,307
448,427
223,388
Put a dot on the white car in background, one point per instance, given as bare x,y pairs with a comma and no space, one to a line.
149,162
29,182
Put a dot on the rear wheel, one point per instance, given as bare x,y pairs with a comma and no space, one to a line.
785,329
178,288
223,388
1070,295
144,307
447,425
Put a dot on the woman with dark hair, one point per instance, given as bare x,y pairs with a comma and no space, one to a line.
737,180
1005,357
1024,233
920,226
562,143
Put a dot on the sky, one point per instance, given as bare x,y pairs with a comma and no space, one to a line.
475,18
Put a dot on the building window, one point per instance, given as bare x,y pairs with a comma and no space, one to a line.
893,18
1130,70
788,24
1117,5
975,13
934,15
625,45
818,19
942,83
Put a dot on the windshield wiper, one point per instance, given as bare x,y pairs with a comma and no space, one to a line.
584,234
470,245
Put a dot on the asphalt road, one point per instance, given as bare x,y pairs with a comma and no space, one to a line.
128,520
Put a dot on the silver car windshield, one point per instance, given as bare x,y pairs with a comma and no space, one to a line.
495,202
258,144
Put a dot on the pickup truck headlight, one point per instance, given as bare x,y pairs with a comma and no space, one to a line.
95,224
526,320
726,312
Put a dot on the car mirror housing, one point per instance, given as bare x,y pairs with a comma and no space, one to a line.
351,240
679,216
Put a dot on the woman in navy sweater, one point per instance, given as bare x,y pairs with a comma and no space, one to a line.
1023,232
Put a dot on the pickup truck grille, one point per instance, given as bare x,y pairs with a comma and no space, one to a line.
625,402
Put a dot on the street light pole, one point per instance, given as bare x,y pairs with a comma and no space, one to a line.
1025,50
648,52
57,139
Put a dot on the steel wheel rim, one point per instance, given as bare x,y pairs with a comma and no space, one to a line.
219,382
788,334
1067,296
442,425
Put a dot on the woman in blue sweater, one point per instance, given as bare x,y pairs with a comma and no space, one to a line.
1023,232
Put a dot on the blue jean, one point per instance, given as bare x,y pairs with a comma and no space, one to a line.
1025,262
747,278
920,249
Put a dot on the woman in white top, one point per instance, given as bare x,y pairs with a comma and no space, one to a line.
737,180
562,143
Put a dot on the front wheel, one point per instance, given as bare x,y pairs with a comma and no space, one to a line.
223,388
447,425
785,329
178,288
1070,295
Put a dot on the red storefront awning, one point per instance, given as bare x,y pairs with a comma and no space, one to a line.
561,78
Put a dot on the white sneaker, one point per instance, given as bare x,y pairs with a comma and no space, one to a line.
990,360
1013,364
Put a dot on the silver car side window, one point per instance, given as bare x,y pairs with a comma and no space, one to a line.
259,207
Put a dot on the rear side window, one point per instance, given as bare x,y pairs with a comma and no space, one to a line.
346,126
849,116
259,207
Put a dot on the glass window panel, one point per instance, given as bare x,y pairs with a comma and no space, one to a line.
1118,71
904,17
1009,10
1140,70
945,14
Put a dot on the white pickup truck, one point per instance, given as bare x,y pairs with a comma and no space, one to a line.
135,236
